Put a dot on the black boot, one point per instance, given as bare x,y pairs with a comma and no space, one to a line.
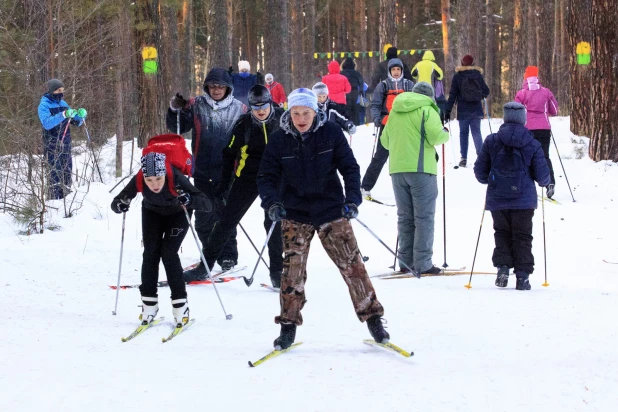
522,282
275,279
503,276
197,273
376,328
287,336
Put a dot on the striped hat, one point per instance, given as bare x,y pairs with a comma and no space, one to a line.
153,164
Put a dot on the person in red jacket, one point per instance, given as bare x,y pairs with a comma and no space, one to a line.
338,85
276,90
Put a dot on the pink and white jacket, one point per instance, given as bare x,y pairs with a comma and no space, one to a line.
540,104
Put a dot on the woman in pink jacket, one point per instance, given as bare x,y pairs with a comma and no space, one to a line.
338,84
540,104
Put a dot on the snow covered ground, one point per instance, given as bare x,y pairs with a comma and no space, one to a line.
483,349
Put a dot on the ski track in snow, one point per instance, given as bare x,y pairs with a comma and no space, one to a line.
483,349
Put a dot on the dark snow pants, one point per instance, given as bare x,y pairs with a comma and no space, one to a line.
544,137
339,242
163,236
513,237
59,164
375,167
241,197
205,222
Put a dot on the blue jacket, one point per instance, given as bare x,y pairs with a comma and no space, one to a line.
311,190
517,136
466,110
242,86
53,122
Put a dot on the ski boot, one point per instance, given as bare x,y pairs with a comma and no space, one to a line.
433,270
463,162
197,273
366,194
287,336
550,190
376,328
150,308
522,281
227,264
180,310
502,279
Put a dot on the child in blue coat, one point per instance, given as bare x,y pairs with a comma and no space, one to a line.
510,161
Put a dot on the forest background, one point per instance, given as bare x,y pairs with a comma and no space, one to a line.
98,48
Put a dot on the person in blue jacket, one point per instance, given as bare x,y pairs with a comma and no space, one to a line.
509,163
55,115
299,184
243,81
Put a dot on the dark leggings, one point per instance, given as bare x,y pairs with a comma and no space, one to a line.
544,137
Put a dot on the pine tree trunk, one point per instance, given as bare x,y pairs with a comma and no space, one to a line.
218,53
388,28
518,51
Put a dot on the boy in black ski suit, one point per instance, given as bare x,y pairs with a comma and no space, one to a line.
509,162
164,226
335,112
249,139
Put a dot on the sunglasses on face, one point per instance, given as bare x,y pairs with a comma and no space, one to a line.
260,107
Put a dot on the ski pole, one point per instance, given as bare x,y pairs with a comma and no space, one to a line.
444,265
124,219
452,144
488,118
253,244
375,140
564,171
178,122
249,281
394,267
96,162
469,285
544,243
199,247
401,262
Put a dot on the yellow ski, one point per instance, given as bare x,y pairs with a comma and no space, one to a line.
273,354
389,346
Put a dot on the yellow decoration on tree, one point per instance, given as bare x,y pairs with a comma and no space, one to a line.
149,53
371,54
356,54
315,55
328,55
583,52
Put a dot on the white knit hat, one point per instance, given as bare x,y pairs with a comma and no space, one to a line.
303,97
268,77
320,88
243,64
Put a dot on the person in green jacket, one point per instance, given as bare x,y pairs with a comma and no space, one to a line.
410,135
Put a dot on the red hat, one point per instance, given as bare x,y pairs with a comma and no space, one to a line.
531,71
467,60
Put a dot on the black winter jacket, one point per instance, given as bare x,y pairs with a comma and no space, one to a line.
311,189
336,113
247,145
466,110
164,202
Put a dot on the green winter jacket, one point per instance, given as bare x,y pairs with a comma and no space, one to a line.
408,151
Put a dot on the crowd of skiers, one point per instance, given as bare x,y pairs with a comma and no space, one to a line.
248,140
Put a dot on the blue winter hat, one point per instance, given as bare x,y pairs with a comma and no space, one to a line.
514,113
303,97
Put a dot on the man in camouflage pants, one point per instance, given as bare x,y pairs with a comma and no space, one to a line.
305,155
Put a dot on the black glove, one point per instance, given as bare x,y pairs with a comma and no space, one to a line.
447,116
276,212
349,126
184,199
378,122
120,205
178,102
349,211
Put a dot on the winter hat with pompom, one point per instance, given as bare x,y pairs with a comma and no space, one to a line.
514,113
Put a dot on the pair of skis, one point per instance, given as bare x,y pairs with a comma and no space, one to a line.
398,274
387,345
143,328
219,277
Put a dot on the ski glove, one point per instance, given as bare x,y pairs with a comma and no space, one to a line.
184,199
178,102
349,211
120,205
378,122
81,112
276,212
349,126
70,113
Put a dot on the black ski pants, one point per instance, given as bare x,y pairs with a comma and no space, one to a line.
205,222
513,237
163,235
242,195
544,137
376,165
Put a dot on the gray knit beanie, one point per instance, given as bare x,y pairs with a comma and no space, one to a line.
54,84
424,88
514,113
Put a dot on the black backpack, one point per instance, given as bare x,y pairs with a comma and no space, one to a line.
470,89
508,172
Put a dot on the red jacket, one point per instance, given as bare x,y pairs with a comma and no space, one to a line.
338,84
277,93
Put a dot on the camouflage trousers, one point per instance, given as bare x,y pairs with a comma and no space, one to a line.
339,242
